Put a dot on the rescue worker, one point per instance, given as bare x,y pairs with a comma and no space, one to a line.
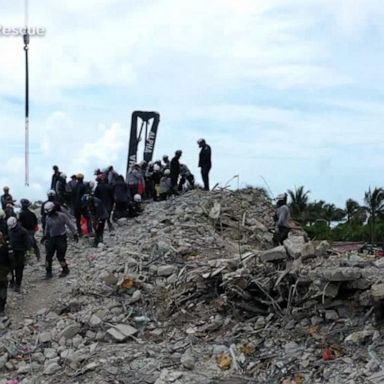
20,243
3,224
186,175
55,177
120,195
28,221
175,170
99,216
205,162
6,262
60,187
165,185
156,177
70,187
112,175
104,192
51,196
55,236
9,211
6,198
281,218
134,178
166,163
78,192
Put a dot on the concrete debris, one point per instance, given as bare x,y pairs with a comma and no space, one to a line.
193,292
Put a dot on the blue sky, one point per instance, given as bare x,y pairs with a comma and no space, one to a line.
290,90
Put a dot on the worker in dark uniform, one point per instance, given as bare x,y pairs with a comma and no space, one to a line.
104,192
55,236
28,220
20,243
6,262
175,170
205,162
79,210
6,198
281,219
98,214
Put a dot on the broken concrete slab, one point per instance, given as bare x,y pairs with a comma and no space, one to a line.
275,254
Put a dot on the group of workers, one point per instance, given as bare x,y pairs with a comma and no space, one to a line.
84,208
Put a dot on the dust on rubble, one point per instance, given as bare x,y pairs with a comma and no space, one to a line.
193,291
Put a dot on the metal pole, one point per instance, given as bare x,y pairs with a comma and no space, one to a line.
26,47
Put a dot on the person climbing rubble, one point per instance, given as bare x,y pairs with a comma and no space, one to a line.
6,198
20,243
79,210
120,196
51,197
156,177
281,218
205,161
98,216
28,220
6,262
55,236
166,163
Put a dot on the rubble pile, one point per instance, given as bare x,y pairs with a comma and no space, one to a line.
193,291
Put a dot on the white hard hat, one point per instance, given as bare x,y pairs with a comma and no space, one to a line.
167,172
137,198
51,192
156,167
49,207
282,196
12,222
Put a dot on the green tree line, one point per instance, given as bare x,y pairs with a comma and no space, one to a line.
353,222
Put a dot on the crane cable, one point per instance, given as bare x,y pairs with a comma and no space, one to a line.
26,47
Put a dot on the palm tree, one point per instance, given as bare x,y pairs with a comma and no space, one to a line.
332,213
299,203
374,201
314,211
352,208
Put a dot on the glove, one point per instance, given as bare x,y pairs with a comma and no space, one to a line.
76,238
42,241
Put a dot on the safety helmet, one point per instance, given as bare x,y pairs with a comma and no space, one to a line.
200,141
25,203
167,172
51,192
281,197
143,163
49,207
80,176
150,164
2,214
137,198
6,188
156,168
12,222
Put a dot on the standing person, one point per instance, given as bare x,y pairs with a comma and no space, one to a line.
166,163
120,195
99,216
175,170
28,221
55,236
61,183
112,175
77,194
3,225
156,177
281,220
104,192
205,162
51,197
55,177
6,262
134,178
6,198
9,211
165,185
70,187
19,240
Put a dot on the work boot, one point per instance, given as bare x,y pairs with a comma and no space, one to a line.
17,288
48,275
64,272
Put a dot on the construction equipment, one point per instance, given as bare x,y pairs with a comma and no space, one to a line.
149,121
